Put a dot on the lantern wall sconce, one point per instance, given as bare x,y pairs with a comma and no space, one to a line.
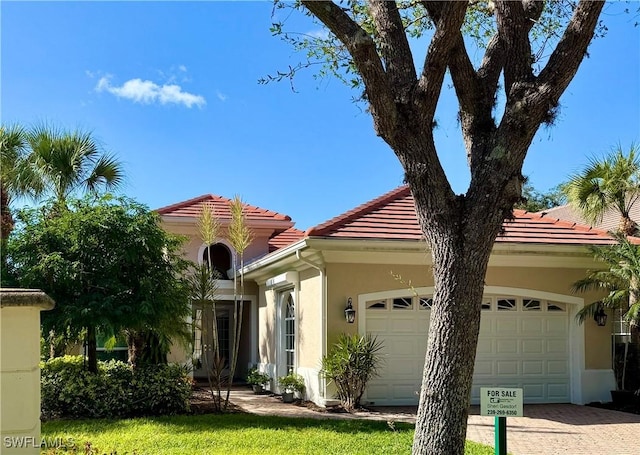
349,312
600,316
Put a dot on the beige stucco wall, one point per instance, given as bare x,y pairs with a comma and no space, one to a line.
259,245
20,370
350,280
266,326
310,319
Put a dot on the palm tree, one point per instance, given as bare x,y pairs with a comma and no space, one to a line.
47,161
610,183
13,147
60,162
620,281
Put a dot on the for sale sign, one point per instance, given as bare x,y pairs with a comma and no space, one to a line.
500,402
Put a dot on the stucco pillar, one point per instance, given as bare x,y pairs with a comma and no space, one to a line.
20,369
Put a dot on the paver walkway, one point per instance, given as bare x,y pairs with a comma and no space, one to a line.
548,429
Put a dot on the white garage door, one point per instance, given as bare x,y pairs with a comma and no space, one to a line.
524,342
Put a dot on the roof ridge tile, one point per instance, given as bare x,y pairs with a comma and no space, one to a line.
213,198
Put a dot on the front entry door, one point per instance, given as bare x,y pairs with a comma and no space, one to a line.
204,337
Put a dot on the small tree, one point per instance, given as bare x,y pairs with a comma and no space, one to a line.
619,280
240,237
613,183
351,364
204,285
110,267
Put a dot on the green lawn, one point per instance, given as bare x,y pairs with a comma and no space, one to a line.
232,433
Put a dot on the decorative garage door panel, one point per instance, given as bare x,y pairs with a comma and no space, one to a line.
523,343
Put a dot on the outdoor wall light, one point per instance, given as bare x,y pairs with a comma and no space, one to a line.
349,312
600,316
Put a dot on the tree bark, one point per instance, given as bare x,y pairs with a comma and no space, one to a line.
461,243
451,351
135,342
92,351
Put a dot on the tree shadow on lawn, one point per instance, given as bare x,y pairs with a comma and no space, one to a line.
224,422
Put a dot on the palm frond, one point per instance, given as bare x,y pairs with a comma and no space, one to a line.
612,182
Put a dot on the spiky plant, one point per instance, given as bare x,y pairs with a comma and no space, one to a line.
352,362
240,236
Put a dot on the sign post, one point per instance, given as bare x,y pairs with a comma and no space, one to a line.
500,403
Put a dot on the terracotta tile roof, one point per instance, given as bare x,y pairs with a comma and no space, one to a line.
285,238
392,217
193,208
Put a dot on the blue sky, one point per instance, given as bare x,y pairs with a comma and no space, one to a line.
171,88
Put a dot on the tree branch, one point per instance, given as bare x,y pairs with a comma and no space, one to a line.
394,45
365,56
462,71
492,63
514,33
450,17
568,54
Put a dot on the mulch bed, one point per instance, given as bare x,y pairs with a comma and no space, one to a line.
630,408
201,402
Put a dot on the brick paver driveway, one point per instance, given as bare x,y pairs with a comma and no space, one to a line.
546,429
550,429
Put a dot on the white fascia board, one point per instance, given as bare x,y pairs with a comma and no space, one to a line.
274,257
344,244
417,253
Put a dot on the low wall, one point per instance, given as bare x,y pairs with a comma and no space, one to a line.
20,370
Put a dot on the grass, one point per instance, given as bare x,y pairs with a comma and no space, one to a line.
231,433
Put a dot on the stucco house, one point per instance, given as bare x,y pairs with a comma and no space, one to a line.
299,285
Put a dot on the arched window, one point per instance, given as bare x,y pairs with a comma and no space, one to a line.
290,334
219,255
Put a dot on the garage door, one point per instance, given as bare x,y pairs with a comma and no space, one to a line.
523,343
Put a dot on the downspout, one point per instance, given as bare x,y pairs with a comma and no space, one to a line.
323,315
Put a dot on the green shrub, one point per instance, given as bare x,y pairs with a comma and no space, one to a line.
351,364
257,378
160,389
292,383
69,390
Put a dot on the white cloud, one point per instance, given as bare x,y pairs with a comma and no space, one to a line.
182,68
148,92
221,96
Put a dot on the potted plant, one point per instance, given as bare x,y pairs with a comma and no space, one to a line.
291,384
257,380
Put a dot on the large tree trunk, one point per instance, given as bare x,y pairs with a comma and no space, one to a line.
453,336
460,254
